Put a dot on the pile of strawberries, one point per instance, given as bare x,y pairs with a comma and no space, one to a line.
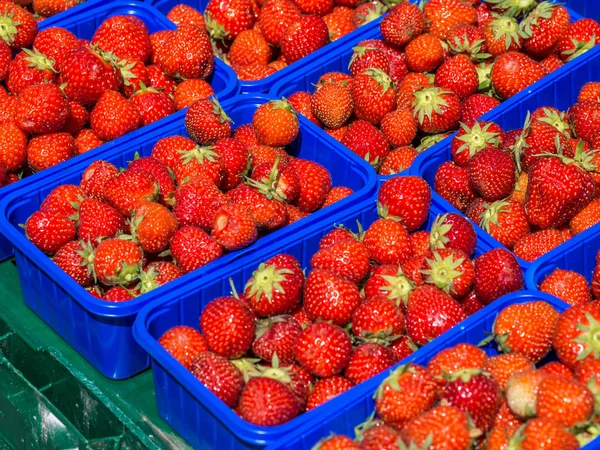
463,399
123,233
61,96
294,342
42,9
450,62
531,188
259,37
572,287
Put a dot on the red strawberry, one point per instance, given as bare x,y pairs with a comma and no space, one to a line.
389,281
453,231
152,105
458,75
158,274
581,36
407,392
267,402
87,76
502,35
153,226
114,116
277,336
399,159
329,297
336,194
506,221
366,141
118,294
184,344
387,242
378,317
94,178
197,202
160,172
77,118
275,286
226,20
323,349
160,80
128,189
532,246
63,199
492,174
183,14
315,184
206,122
497,273
19,25
373,95
332,105
574,334
48,150
436,110
234,227
440,427
97,220
123,36
86,140
337,442
250,48
41,109
74,258
365,58
454,360
449,270
468,40
117,261
564,400
275,123
199,162
192,248
571,287
190,91
407,198
471,139
452,183
443,15
513,72
327,388
220,376
348,259
275,18
476,106
585,119
29,68
545,25
540,432
430,313
268,211
424,53
404,23
367,361
174,56
304,37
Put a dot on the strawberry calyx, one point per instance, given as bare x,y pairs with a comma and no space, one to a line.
399,287
125,274
557,119
508,28
358,51
518,148
383,212
37,60
580,47
214,28
108,57
275,372
360,429
429,101
269,187
382,78
374,13
199,153
516,441
219,111
464,375
477,138
582,159
471,49
125,67
542,11
8,27
513,8
392,380
264,325
246,366
266,280
438,234
589,338
426,444
430,140
147,281
443,271
491,213
145,89
484,71
87,254
283,104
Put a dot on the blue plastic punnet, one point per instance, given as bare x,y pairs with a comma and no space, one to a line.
101,331
191,409
83,20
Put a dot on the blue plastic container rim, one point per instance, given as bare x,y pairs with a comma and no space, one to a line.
122,309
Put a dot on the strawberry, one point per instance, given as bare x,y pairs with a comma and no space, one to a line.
5,60
267,209
513,72
315,184
316,7
424,53
275,123
77,118
245,134
152,105
365,58
54,43
586,218
468,40
332,105
160,172
497,273
253,72
303,37
454,360
541,432
327,388
407,198
226,20
153,226
199,162
531,246
348,259
160,80
48,8
48,150
584,118
551,63
336,194
476,106
337,442
574,335
373,95
197,202
183,14
301,102
452,183
502,367
87,76
544,26
407,392
389,281
267,402
571,287
94,178
192,248
128,189
471,139
449,270
190,91
323,349
219,375
275,286
558,368
114,116
276,335
206,122
174,56
492,174
458,75
234,156
521,393
452,231
387,242
368,360
167,150
399,127
97,220
118,294
184,344
41,109
443,15
564,400
123,36
329,297
19,27
578,39
375,434
117,261
403,23
234,227
339,24
367,12
158,274
250,47
589,91
436,110
502,35
63,199
275,18
440,427
505,221
430,313
86,140
74,258
29,68
366,141
526,328
378,317
399,159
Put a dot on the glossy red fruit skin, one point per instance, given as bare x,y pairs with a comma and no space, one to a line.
387,242
192,248
569,351
407,198
368,360
304,37
327,388
497,273
323,349
49,231
184,343
220,376
267,402
348,260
